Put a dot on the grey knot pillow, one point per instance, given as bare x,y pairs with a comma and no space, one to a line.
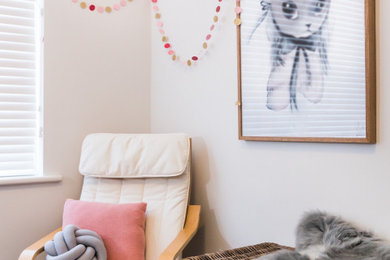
74,243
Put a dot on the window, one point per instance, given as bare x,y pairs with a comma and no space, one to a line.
20,87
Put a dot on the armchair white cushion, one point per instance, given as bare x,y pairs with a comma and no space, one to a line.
122,168
134,156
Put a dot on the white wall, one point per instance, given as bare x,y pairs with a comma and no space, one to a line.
255,191
96,80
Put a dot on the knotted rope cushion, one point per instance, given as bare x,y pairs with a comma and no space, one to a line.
74,243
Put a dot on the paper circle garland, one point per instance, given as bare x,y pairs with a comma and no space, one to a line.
168,45
102,9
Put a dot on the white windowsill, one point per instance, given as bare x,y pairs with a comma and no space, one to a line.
29,179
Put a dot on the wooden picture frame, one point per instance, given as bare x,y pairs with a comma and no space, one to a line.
366,133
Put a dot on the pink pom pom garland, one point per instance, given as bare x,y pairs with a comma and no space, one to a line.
192,59
102,9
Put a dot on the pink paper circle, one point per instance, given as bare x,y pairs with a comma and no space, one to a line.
162,31
123,3
155,8
75,1
208,37
159,24
238,10
116,7
212,27
100,9
170,52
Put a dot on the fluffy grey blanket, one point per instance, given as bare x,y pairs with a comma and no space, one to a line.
325,237
74,243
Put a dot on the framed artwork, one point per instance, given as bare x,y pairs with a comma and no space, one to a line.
306,70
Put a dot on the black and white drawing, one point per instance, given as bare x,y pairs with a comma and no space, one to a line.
303,68
296,31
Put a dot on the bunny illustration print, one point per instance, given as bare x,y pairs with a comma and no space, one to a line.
297,32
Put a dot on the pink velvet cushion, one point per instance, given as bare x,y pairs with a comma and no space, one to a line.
121,226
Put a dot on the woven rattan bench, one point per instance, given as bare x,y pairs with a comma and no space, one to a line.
248,252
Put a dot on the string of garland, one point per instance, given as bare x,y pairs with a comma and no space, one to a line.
102,9
238,11
170,48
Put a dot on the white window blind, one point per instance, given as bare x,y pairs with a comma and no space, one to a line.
20,87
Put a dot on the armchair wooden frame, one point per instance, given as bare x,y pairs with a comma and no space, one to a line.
170,253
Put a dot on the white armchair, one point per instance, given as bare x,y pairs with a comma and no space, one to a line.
151,168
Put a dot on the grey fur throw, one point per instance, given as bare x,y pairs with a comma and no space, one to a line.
325,237
74,243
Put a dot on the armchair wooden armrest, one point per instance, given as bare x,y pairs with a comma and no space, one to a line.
31,252
185,236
